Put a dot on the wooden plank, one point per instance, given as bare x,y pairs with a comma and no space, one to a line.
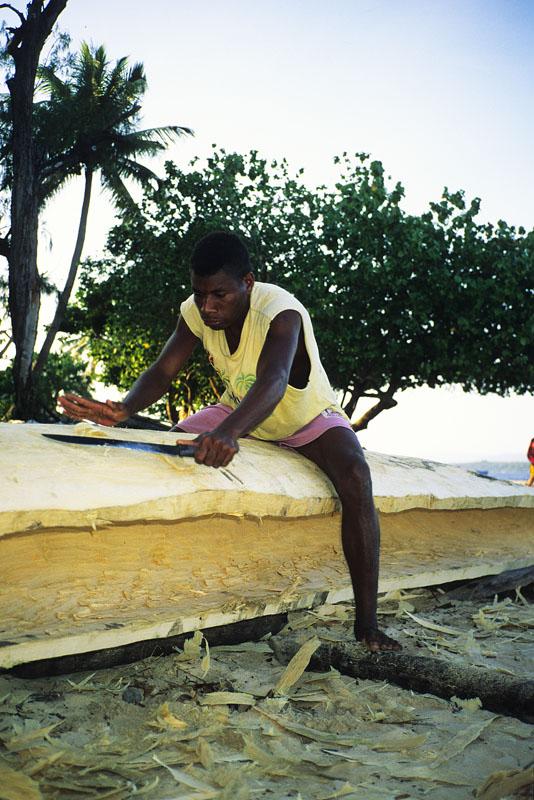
69,591
49,484
102,549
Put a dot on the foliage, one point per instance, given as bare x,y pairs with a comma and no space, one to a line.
58,58
490,328
130,302
397,300
90,120
86,119
61,369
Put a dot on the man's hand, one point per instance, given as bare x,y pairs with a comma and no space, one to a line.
213,449
108,413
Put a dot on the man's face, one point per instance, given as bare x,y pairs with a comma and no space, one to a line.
222,299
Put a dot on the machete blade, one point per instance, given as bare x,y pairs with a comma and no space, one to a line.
147,447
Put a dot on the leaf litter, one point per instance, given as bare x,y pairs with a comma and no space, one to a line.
231,722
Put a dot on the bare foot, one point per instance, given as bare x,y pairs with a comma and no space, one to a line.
376,641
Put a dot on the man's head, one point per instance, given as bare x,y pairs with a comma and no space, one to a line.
221,279
220,250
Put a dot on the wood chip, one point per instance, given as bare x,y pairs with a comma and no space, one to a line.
296,666
505,783
181,776
15,785
226,699
432,626
461,740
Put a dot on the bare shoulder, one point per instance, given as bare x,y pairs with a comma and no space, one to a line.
287,321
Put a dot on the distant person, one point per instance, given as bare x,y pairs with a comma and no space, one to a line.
530,456
261,342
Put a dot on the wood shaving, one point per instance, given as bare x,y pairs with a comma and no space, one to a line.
87,429
181,776
432,626
15,785
227,698
462,740
166,719
471,704
296,666
505,783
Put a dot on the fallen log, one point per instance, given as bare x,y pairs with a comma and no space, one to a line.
247,630
496,691
491,585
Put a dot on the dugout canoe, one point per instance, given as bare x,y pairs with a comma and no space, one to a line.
101,547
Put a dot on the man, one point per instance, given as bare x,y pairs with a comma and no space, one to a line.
260,340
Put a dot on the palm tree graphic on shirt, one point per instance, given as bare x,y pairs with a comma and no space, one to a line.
244,382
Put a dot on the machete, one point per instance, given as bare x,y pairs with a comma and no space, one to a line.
168,449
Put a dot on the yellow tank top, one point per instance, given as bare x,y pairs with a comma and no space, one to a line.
238,370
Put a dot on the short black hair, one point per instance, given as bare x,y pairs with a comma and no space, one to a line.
220,250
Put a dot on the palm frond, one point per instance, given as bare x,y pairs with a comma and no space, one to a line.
132,147
119,193
167,133
128,168
50,82
91,122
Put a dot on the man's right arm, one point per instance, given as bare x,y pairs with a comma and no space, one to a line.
149,387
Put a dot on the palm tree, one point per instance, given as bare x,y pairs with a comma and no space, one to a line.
90,123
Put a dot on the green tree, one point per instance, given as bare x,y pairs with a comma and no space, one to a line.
412,299
397,300
381,321
490,271
129,303
89,122
61,369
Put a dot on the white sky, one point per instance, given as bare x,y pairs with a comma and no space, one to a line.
439,90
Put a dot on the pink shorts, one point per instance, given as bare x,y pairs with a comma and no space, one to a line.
208,418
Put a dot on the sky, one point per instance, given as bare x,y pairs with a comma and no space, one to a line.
441,91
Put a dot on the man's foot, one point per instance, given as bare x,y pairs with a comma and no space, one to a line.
376,641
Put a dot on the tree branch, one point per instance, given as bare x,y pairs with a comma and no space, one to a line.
356,392
39,23
4,246
386,401
19,14
6,346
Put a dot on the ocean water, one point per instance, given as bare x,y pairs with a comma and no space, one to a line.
503,470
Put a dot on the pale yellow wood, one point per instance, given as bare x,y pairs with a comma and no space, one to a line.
98,552
48,484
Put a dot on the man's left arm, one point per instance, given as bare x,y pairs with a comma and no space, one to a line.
217,448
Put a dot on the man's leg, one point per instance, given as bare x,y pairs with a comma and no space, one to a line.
338,453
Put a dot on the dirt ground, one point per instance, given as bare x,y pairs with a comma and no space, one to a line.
220,723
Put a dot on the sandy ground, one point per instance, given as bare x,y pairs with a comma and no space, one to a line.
211,724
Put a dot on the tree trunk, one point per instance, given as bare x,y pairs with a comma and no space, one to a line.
355,394
383,403
24,289
73,270
497,691
25,45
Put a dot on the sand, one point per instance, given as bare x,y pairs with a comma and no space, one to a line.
200,725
